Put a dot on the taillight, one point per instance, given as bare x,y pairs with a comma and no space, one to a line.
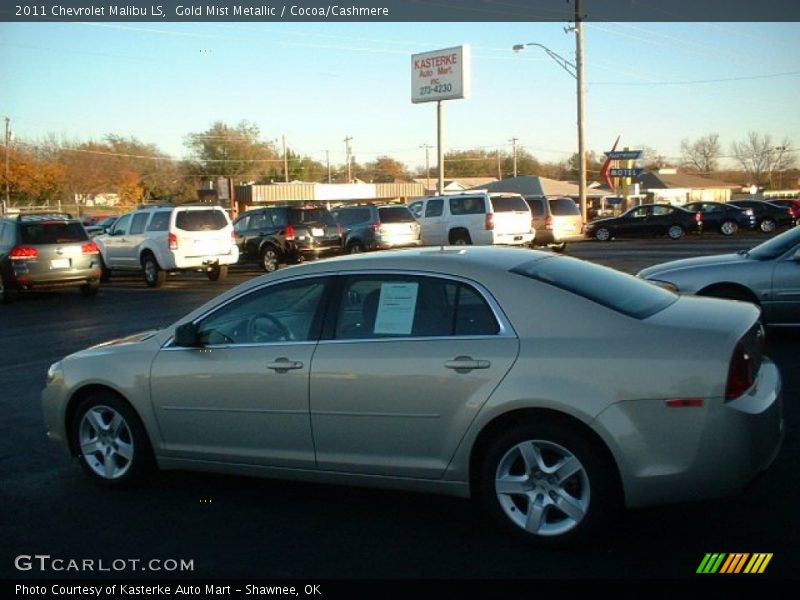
741,374
698,216
90,248
548,222
172,241
23,253
376,227
289,233
489,223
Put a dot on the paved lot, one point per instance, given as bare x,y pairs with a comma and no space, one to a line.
259,528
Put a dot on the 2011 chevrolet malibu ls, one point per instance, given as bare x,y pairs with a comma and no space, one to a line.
553,389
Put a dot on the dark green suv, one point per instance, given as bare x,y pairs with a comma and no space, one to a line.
46,251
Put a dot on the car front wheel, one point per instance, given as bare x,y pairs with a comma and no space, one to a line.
546,482
269,259
154,276
768,225
110,440
602,234
728,228
675,232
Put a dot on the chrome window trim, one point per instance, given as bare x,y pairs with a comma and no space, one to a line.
506,330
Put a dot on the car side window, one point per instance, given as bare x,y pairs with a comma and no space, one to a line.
394,306
259,220
660,211
639,213
138,223
416,209
434,208
159,221
279,313
121,226
467,206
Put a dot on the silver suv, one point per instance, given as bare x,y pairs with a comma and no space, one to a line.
478,218
370,227
162,239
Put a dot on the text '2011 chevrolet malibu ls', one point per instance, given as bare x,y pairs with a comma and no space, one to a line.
552,389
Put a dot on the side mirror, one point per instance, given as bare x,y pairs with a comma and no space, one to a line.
186,336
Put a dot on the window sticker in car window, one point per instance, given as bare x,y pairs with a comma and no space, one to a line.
396,307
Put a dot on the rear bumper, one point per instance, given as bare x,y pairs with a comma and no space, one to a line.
508,239
200,262
681,454
55,279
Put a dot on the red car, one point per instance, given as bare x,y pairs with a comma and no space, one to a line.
792,204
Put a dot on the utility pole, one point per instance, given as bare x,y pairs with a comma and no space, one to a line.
514,151
347,141
581,107
427,167
7,199
328,162
499,169
285,161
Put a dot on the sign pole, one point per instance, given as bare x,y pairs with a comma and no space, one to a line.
440,145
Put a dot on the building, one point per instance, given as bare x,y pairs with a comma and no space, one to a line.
667,185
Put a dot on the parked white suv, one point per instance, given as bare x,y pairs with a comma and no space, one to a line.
478,218
161,239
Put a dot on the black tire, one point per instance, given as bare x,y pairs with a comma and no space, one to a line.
603,234
218,273
560,247
729,228
7,294
110,441
675,231
154,275
355,247
105,272
90,289
768,225
460,238
269,259
589,491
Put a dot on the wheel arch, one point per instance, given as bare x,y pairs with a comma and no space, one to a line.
502,422
84,392
729,286
456,232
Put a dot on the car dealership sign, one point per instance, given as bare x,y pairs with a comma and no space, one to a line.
440,75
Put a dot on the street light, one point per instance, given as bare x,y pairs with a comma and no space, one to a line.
576,71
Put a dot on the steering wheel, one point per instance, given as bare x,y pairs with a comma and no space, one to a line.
263,327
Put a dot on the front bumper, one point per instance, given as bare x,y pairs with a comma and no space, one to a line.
680,454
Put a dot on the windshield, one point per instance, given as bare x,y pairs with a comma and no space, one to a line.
777,246
611,288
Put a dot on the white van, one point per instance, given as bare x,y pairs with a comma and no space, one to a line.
479,218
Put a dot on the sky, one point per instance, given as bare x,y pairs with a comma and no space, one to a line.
317,83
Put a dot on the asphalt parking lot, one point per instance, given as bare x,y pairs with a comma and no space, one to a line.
237,527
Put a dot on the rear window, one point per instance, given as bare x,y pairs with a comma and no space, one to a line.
611,288
564,207
537,206
351,216
395,214
311,215
509,204
200,220
52,232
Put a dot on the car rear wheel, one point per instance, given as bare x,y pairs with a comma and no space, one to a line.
6,293
768,225
460,238
560,247
217,272
728,228
548,483
105,272
110,440
603,234
154,276
675,232
269,259
355,247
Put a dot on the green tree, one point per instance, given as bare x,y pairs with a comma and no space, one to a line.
235,152
385,170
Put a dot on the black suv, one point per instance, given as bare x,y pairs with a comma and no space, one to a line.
286,234
44,251
370,227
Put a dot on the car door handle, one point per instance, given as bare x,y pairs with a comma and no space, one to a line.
465,364
281,365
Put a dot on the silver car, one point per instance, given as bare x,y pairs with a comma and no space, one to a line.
767,275
424,370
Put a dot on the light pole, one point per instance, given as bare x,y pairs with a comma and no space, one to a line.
576,71
427,168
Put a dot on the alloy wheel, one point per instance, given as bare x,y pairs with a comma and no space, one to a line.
106,442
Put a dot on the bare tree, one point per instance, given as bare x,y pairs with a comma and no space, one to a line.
702,155
761,158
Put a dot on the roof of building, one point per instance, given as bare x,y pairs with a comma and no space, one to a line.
661,180
532,185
